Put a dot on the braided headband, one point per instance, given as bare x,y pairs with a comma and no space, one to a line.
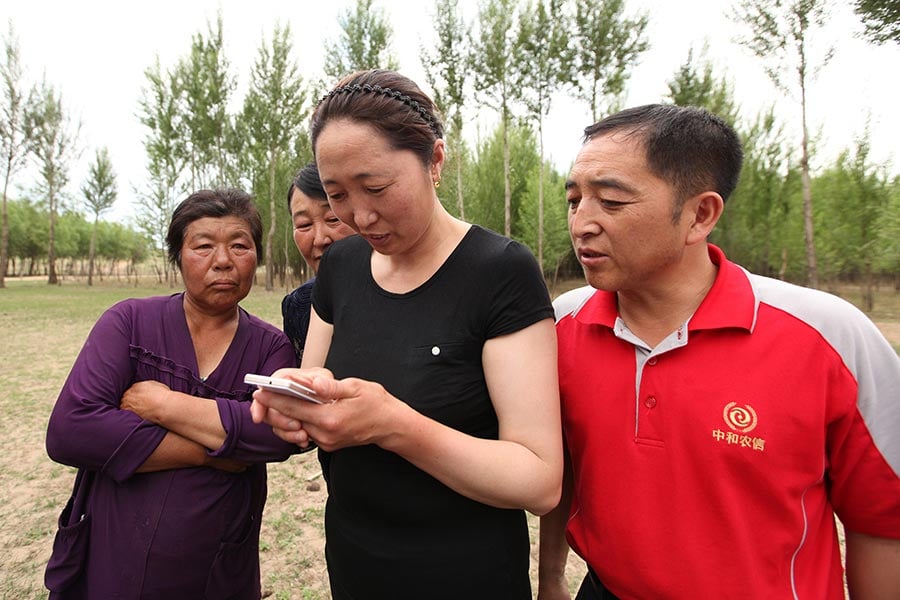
390,93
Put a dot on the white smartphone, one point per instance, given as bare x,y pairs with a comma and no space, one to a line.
283,386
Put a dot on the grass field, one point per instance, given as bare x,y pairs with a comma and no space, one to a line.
43,328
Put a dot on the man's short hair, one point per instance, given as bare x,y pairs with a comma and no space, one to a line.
689,147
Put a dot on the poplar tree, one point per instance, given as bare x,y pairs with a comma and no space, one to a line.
273,114
778,33
445,71
546,58
855,196
207,85
53,142
694,84
364,43
99,193
13,143
607,45
167,157
881,19
492,59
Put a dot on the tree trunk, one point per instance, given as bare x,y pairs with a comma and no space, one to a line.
868,289
52,279
812,271
4,236
507,188
540,223
91,251
270,257
459,186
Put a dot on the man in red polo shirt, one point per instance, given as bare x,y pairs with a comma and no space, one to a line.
715,420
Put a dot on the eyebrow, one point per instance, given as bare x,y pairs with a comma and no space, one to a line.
355,177
604,182
318,201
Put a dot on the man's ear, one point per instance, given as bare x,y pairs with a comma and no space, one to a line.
704,210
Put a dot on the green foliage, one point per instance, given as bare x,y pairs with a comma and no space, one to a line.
494,68
778,33
755,229
365,42
546,65
27,231
881,18
515,59
207,87
99,195
543,53
890,234
161,113
854,197
607,45
100,189
28,240
445,71
273,114
13,143
445,64
695,85
492,56
557,246
485,207
455,192
52,140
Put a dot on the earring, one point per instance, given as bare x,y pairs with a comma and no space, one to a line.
437,183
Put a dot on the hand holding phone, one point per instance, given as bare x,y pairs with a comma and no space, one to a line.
280,385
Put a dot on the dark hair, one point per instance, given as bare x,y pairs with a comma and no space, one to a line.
688,146
307,181
225,202
388,101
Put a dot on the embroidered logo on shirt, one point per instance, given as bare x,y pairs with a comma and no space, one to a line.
741,420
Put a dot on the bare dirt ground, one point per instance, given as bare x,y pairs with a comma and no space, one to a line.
35,355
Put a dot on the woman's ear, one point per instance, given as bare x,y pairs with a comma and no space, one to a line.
438,155
704,210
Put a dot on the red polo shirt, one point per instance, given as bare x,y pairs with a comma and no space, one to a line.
711,466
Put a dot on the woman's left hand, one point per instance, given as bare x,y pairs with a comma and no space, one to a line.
358,414
145,399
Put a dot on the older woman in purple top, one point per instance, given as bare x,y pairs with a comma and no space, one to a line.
155,415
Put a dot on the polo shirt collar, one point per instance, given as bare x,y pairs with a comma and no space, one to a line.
730,303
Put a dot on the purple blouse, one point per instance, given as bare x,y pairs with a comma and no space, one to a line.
181,533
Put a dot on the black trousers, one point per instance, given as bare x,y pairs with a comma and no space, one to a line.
592,589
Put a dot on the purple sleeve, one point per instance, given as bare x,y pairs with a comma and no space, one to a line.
86,428
249,441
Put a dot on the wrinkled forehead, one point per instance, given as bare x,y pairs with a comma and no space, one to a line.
301,201
608,151
217,227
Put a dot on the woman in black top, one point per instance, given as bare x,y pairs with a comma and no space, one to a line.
438,347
